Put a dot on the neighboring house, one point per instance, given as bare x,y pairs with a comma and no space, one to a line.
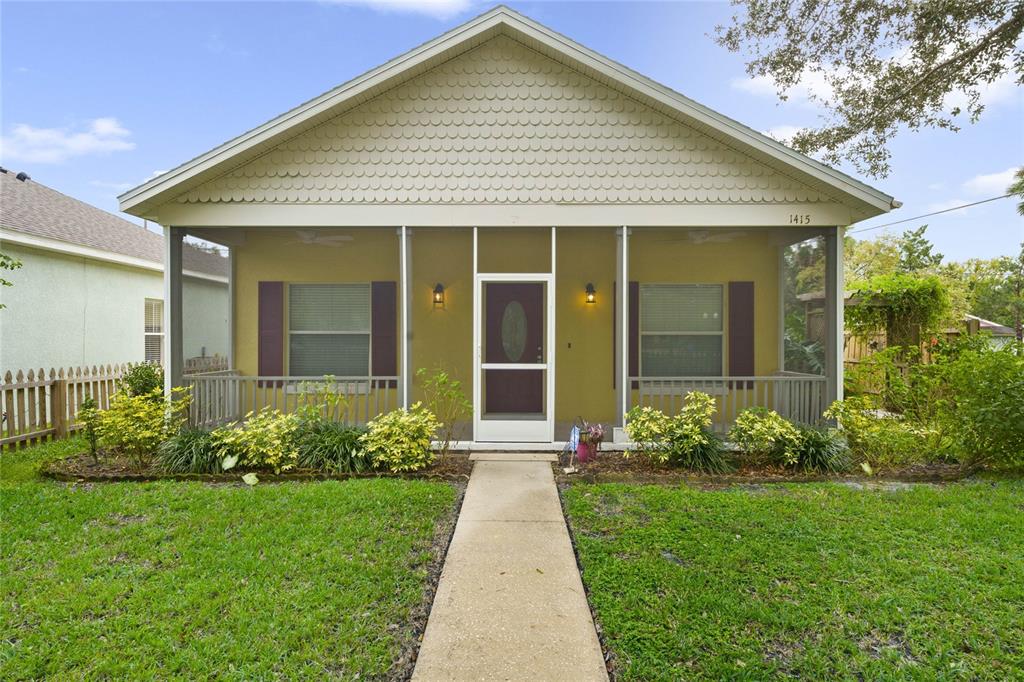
999,334
563,234
90,290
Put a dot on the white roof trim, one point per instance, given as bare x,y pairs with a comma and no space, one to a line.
69,249
501,18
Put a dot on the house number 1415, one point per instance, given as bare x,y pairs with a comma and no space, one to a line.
799,218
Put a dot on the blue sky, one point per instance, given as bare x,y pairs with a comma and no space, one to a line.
99,96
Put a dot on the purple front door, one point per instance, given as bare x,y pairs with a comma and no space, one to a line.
514,334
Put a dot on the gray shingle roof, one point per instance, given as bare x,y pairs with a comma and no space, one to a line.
35,209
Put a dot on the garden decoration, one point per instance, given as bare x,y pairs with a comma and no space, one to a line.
590,437
571,447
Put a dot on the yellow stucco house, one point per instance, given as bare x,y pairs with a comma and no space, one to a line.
566,236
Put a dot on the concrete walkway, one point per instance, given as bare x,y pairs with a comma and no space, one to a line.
510,604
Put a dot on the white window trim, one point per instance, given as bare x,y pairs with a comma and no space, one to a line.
721,333
146,333
288,333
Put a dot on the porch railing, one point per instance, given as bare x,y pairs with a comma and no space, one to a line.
798,397
222,397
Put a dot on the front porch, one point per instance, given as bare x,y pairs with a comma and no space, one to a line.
542,325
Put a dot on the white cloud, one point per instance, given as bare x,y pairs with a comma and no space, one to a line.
153,175
990,184
56,145
783,133
812,84
946,205
439,9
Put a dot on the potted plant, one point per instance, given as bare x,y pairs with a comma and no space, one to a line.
591,436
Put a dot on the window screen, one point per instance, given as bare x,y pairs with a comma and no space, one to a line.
329,329
154,331
680,330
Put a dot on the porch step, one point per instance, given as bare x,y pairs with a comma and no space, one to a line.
513,457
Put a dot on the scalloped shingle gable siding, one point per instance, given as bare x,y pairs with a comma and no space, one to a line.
503,124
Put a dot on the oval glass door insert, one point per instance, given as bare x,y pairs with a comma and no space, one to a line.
513,331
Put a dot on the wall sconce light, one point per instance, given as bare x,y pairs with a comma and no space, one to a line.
439,295
591,293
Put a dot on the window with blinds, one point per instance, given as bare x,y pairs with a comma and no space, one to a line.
681,333
154,331
329,329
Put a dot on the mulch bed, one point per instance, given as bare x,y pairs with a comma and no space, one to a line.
613,467
403,667
112,468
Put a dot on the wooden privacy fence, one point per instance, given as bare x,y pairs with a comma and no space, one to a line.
37,405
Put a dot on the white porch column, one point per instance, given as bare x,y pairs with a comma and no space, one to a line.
622,325
834,295
174,360
405,259
231,307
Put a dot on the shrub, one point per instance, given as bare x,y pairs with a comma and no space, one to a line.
765,434
143,379
821,449
985,411
445,398
400,440
882,439
89,415
136,425
264,441
685,440
331,446
192,451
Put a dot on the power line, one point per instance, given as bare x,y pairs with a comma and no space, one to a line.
926,215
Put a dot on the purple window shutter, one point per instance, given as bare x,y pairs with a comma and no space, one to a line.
741,328
634,331
270,351
384,328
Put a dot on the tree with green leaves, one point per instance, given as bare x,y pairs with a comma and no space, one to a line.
916,252
7,263
1016,189
882,65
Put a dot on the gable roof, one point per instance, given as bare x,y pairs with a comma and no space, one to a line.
864,200
29,208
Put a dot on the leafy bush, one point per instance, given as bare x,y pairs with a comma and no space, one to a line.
985,410
965,403
685,440
143,379
136,425
445,398
192,451
882,439
265,440
89,415
765,434
331,446
400,440
822,449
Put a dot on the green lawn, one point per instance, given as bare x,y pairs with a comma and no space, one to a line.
195,581
817,581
